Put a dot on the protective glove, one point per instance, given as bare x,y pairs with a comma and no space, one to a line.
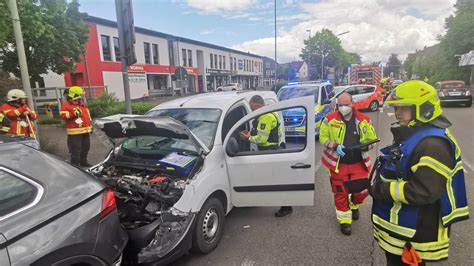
340,150
77,112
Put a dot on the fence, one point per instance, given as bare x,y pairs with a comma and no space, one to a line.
50,99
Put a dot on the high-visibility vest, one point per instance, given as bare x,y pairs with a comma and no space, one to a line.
333,131
396,222
76,125
266,131
4,124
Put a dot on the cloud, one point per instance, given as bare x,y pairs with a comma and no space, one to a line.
216,6
377,27
207,32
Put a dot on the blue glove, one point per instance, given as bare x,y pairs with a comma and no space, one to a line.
340,150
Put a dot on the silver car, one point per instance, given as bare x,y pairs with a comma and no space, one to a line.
52,213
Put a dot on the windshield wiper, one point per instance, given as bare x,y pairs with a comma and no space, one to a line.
159,143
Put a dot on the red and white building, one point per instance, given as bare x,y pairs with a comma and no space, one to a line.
158,55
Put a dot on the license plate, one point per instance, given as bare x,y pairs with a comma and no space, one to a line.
454,94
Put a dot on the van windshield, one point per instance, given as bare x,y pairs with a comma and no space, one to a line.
296,92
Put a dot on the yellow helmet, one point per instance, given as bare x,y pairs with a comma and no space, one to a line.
421,96
75,92
15,94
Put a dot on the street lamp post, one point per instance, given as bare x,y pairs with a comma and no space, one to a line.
322,55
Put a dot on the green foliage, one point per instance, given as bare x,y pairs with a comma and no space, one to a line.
43,120
52,31
108,104
7,83
440,62
325,43
394,65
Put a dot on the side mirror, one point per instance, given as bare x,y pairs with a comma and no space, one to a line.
232,147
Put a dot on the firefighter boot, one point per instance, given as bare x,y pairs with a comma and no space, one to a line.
355,214
346,229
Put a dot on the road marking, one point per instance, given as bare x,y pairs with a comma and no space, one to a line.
248,262
468,165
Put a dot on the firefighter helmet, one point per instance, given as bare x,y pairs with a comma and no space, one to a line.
16,94
75,92
421,96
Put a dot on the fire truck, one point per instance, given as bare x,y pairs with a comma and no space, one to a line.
371,74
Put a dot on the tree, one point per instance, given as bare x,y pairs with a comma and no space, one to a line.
7,83
393,66
53,33
327,45
440,61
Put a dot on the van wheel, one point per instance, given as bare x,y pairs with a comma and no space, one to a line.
374,106
209,226
233,89
219,90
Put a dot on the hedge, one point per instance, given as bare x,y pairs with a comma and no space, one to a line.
108,104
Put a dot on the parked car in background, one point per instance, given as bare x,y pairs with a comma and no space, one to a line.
178,170
365,97
52,213
454,91
295,121
230,87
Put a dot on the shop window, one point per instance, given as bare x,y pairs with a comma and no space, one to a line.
183,52
156,55
105,40
231,63
190,58
146,47
215,61
220,61
212,60
117,49
235,63
223,62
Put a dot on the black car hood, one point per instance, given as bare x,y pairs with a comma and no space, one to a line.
126,126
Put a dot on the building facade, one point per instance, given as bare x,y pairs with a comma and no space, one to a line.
158,56
269,68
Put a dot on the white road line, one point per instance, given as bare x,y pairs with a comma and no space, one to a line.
466,163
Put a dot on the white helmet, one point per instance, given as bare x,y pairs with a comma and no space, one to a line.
16,94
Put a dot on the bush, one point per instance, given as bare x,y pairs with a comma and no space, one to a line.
108,104
49,121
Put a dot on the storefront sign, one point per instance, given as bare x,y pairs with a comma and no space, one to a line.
136,69
136,78
219,72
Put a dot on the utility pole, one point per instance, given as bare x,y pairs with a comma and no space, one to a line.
20,48
126,30
276,64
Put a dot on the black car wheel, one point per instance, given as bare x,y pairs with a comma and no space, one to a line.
209,226
374,106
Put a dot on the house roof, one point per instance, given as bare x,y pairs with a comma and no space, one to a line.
113,24
295,64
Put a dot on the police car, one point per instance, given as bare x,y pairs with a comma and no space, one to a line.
178,170
295,121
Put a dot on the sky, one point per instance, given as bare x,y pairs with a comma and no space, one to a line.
376,28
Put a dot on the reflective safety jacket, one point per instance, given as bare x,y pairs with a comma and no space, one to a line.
77,117
333,131
397,220
19,124
266,131
4,124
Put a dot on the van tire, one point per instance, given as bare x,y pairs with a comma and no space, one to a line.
206,237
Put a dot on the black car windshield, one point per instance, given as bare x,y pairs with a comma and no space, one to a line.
202,122
296,92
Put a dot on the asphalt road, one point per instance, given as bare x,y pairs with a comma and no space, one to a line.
253,236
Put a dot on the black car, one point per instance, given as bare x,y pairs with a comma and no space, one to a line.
52,213
454,92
